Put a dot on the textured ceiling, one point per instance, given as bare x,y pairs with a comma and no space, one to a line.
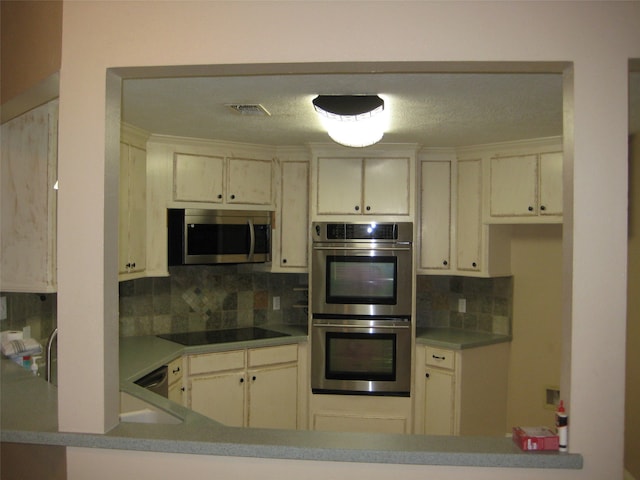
437,110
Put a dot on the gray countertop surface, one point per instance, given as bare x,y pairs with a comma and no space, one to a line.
29,415
457,339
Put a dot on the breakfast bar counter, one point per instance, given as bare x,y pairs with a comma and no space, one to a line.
29,416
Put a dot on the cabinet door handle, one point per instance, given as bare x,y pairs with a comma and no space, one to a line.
445,263
284,260
232,197
427,375
437,357
530,209
241,379
176,370
219,195
357,208
253,378
474,264
368,208
543,208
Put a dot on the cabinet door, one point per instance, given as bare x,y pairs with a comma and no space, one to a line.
124,210
439,413
551,183
176,393
249,181
294,233
435,215
386,186
137,209
273,397
198,178
339,186
468,237
514,186
220,397
133,209
28,200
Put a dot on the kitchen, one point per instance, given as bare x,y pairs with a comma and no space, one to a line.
154,306
63,309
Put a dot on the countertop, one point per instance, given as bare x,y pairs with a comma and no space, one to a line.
457,339
29,415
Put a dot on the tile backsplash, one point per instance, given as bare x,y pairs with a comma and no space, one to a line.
38,311
225,296
209,297
489,303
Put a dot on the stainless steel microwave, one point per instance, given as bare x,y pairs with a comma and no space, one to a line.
201,236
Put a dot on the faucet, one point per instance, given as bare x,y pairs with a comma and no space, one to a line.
50,340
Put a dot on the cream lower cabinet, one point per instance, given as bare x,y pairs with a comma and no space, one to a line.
461,392
176,386
256,387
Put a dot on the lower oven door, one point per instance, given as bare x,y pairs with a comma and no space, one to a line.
361,356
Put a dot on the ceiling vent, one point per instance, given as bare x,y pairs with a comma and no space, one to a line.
248,109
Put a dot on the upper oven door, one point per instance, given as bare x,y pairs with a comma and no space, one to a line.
361,279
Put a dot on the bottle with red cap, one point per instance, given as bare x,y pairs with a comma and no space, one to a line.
562,427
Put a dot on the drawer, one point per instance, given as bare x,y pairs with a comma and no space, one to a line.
273,355
440,357
175,370
216,362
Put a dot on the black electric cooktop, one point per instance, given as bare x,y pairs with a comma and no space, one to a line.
207,337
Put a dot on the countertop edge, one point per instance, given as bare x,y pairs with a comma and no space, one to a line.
462,458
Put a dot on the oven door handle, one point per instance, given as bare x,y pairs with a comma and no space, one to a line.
401,248
341,325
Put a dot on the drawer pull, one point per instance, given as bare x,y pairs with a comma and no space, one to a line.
438,357
176,370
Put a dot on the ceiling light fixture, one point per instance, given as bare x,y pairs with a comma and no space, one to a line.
352,120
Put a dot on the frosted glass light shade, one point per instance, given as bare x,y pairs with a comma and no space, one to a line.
352,120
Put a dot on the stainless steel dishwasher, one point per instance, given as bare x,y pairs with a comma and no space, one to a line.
156,381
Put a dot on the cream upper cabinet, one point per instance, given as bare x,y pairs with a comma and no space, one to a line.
386,186
551,183
133,208
339,186
526,186
222,180
369,186
198,178
28,228
461,392
435,215
249,181
293,227
469,215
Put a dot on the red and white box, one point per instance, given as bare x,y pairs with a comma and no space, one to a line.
536,438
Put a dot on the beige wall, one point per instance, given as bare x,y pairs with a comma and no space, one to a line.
536,262
632,410
598,38
31,44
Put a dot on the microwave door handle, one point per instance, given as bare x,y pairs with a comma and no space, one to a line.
252,237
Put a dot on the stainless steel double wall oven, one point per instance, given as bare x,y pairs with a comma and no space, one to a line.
361,290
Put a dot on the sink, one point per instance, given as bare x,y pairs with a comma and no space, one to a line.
134,410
